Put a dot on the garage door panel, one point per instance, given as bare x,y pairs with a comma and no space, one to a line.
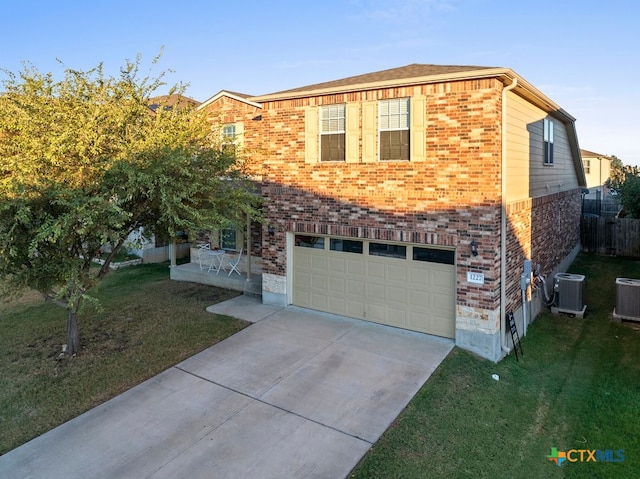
376,271
355,288
318,263
335,264
376,312
396,317
396,294
356,267
419,277
318,301
337,305
375,292
318,282
441,328
336,285
355,309
303,279
397,274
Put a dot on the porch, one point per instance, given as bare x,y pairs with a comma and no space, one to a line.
249,281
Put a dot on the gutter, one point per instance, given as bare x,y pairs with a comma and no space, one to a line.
503,220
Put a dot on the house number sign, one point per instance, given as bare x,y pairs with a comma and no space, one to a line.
475,278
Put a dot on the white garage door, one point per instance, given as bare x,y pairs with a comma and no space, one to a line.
408,286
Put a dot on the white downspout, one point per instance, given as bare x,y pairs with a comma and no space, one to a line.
503,220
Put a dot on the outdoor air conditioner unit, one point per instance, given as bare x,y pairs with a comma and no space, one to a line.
569,291
628,297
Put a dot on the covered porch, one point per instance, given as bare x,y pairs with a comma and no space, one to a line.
249,281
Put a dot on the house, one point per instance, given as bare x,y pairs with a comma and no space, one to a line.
597,197
597,169
413,196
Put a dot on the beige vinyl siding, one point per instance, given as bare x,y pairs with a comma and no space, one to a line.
599,172
527,176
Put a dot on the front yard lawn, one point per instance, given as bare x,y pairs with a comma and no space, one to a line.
147,324
577,387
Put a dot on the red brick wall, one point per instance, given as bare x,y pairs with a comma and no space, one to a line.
543,229
448,200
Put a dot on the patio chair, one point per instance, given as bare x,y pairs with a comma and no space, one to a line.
233,263
203,259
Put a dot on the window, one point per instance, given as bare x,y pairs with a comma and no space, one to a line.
228,239
316,242
587,166
349,246
548,142
394,129
388,250
332,133
433,255
229,137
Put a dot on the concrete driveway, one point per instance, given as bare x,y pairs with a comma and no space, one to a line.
297,394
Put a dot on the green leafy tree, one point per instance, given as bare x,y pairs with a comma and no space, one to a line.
624,180
84,162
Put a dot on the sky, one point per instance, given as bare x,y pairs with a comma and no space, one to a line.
583,54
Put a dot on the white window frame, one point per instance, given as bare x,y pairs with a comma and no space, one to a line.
229,135
394,115
547,136
333,121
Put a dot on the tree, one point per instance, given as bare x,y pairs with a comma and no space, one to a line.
84,162
624,180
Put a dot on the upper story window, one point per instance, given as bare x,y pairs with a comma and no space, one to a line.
394,129
332,133
587,166
548,141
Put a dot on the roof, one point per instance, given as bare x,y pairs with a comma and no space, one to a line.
241,97
416,74
591,154
415,70
169,101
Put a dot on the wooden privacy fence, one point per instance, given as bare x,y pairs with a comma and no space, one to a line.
609,235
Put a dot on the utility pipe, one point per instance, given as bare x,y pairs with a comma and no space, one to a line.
503,220
524,312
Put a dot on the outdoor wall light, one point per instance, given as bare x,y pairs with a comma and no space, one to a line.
271,230
474,248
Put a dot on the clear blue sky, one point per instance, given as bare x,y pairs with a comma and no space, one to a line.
583,54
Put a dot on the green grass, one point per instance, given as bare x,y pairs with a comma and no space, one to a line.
147,323
577,387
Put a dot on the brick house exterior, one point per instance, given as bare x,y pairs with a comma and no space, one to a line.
489,160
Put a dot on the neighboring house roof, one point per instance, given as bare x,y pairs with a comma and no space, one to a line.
241,97
170,101
591,154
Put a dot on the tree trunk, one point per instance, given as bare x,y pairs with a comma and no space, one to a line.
73,339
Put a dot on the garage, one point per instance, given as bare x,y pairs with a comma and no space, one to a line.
409,286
